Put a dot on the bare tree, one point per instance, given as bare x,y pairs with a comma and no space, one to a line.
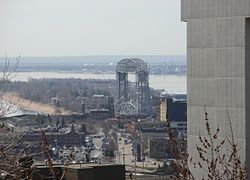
212,161
14,163
8,102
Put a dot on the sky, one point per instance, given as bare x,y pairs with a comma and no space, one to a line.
91,27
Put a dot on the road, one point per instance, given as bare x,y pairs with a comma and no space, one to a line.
97,152
125,156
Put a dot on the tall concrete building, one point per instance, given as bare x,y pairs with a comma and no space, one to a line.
218,53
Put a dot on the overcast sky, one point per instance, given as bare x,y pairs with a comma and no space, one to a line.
91,27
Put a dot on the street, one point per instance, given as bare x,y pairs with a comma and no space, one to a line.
125,155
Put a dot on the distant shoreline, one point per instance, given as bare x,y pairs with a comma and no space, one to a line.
172,84
99,59
82,72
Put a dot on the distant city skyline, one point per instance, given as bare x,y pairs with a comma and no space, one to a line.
91,27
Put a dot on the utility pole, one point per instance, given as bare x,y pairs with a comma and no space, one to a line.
123,157
135,162
143,158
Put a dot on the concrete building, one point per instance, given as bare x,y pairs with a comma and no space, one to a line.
179,127
218,52
97,102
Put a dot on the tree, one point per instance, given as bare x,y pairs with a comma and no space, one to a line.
8,103
13,164
215,164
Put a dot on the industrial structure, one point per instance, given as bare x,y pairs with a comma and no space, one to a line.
127,102
218,72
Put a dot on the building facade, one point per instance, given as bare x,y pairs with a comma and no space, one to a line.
33,141
163,110
218,53
176,109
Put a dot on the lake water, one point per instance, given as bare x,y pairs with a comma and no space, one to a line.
170,83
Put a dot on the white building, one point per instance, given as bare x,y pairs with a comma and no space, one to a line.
218,53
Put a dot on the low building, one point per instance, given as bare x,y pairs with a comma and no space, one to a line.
100,114
98,102
152,128
154,132
83,171
179,127
70,138
98,99
33,141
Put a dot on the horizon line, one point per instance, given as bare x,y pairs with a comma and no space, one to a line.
83,56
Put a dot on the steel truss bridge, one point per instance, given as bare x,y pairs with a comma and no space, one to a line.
138,102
